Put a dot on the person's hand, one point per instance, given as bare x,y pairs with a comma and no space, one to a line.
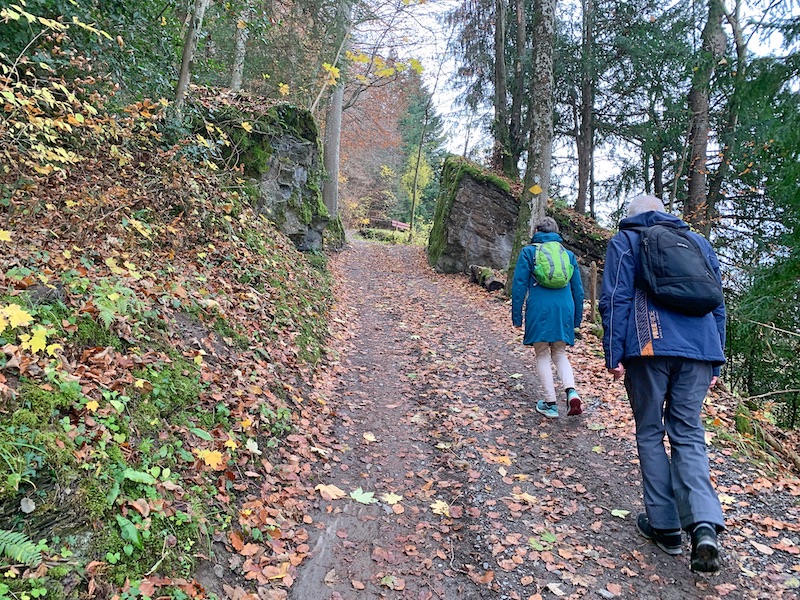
713,382
617,371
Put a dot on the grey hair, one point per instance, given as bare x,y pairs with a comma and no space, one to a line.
547,225
644,203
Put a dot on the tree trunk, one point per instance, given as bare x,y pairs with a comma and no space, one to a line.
728,136
239,50
536,183
330,151
518,90
585,139
333,128
658,173
501,152
695,210
189,47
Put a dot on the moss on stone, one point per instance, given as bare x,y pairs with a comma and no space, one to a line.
93,498
454,170
334,233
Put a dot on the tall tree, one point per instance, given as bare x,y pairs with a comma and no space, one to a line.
189,47
536,183
240,34
585,129
695,208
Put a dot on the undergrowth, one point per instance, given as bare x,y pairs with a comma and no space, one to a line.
123,437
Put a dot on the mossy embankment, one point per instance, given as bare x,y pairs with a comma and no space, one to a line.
159,340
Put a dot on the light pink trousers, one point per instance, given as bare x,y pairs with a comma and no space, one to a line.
548,354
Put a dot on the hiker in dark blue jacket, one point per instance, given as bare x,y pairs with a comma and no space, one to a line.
669,360
551,316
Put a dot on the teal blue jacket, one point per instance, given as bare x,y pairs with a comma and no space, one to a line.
550,315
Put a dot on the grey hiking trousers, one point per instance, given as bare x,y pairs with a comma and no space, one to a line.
666,394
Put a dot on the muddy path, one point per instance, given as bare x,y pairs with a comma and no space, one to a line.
454,487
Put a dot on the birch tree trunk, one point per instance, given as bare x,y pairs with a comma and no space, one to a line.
536,183
333,134
189,47
695,210
518,89
585,141
239,50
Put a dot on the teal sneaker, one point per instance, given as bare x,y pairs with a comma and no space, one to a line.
548,409
574,403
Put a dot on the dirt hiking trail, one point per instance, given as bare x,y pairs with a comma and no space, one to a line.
443,481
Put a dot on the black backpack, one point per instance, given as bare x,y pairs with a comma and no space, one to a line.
675,271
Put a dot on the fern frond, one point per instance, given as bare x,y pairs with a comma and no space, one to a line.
106,315
19,548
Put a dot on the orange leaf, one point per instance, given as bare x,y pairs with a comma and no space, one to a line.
236,541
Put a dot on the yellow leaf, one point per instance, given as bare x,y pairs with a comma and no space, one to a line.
331,492
391,498
283,89
139,383
440,507
198,360
92,405
67,254
246,423
525,497
369,436
247,127
53,348
3,322
113,296
16,316
5,236
212,458
231,443
36,342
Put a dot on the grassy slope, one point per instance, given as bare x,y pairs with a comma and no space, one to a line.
158,342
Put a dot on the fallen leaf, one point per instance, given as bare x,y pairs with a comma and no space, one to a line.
440,507
330,492
363,497
391,498
762,548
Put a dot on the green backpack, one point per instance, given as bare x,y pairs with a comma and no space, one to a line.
552,268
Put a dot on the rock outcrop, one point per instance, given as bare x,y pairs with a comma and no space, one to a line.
278,148
476,215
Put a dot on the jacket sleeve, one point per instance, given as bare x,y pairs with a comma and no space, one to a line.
719,313
519,286
576,287
616,298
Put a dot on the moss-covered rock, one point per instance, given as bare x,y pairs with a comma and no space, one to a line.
279,149
474,221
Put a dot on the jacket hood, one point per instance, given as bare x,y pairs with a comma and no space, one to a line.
540,237
651,217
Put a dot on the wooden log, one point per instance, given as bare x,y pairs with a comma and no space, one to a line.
484,277
493,284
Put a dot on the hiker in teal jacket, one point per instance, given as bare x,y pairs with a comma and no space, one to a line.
551,316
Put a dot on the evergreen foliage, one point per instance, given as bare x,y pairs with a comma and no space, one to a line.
19,548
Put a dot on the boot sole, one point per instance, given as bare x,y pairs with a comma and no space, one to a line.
575,407
706,558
